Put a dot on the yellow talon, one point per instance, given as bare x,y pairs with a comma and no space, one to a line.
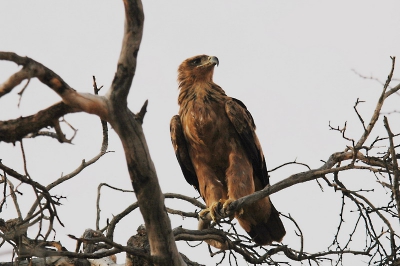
226,208
214,210
226,204
219,210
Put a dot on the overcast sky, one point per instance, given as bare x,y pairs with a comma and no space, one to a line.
290,62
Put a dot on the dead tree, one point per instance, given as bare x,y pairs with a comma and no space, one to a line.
156,244
111,108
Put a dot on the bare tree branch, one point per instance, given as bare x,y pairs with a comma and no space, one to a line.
396,172
14,130
185,198
77,101
98,202
128,127
378,107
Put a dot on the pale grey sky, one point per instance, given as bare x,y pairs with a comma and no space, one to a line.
290,62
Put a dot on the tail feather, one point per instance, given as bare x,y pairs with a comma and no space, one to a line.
264,233
260,220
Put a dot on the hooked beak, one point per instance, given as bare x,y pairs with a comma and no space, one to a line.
213,60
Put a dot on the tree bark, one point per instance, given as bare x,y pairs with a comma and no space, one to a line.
112,108
128,127
15,129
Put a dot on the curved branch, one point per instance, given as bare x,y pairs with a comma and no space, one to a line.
288,163
128,126
117,218
182,213
85,102
294,179
15,129
17,78
378,107
199,235
191,200
303,177
127,249
134,19
74,173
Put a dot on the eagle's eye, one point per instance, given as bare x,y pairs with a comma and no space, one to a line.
196,61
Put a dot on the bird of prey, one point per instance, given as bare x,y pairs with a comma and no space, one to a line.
219,153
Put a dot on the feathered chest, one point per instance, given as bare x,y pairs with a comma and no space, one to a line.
203,118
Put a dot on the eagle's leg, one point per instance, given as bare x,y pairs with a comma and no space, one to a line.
239,178
212,190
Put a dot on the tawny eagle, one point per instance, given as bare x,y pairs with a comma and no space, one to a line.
219,153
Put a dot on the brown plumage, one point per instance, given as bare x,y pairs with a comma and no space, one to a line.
219,153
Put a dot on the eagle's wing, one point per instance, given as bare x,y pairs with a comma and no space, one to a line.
245,127
181,152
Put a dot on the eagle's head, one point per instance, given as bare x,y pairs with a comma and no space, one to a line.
197,68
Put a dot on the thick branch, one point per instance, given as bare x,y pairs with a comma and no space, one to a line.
128,127
85,102
14,130
17,78
134,19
